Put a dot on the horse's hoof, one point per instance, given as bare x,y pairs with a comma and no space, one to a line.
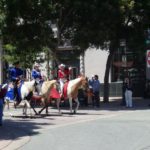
74,112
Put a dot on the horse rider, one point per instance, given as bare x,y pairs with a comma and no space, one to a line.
63,76
36,75
16,74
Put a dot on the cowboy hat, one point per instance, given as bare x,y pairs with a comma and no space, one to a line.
61,66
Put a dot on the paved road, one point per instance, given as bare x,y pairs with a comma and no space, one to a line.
108,128
123,131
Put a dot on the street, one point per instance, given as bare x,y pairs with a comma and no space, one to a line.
107,128
128,131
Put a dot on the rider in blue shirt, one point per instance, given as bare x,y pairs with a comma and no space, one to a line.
36,74
16,73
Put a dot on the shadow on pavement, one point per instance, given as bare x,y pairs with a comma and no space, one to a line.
14,129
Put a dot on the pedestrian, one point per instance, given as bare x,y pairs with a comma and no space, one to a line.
123,102
90,95
16,75
96,91
90,82
128,92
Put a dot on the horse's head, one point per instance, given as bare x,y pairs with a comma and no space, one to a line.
84,82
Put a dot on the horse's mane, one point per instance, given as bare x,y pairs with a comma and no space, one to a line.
47,85
75,81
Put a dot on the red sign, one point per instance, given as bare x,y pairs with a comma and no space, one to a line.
148,58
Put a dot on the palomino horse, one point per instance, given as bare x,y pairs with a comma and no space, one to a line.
71,90
46,89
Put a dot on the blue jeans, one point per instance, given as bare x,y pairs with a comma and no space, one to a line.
1,110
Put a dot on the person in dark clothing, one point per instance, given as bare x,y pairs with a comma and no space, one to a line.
123,102
96,91
128,92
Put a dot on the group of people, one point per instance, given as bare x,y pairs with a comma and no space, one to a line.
63,74
16,75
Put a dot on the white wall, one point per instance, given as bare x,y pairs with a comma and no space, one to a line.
95,63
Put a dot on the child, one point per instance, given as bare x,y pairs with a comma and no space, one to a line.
90,96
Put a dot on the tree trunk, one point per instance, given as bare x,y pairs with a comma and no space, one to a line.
106,77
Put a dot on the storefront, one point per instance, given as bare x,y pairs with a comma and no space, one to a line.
130,64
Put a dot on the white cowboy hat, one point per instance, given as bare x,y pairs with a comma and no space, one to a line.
36,65
61,66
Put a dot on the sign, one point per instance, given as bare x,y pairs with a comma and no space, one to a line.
148,58
148,65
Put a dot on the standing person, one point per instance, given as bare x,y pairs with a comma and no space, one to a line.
123,102
16,74
90,82
90,90
36,75
96,91
128,92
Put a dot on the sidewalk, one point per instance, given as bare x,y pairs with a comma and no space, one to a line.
17,131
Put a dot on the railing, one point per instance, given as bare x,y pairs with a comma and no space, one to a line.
115,89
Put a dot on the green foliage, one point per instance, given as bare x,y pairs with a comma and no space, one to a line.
26,28
25,24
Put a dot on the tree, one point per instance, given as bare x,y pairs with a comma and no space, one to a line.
25,35
96,23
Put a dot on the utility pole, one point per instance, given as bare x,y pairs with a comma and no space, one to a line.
1,62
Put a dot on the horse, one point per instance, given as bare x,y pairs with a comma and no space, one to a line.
71,91
46,89
26,93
